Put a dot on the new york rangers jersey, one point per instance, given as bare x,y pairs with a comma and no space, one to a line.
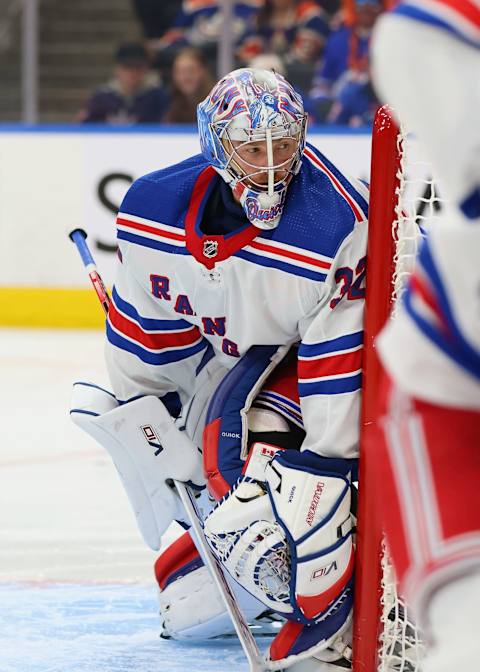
183,297
432,349
459,17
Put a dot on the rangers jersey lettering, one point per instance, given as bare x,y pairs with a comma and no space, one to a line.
183,297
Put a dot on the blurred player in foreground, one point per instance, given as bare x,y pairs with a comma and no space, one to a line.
426,64
239,304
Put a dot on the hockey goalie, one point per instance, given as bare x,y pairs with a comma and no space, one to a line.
234,345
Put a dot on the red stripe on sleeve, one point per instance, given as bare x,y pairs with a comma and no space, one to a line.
424,292
330,366
358,214
290,255
151,229
465,8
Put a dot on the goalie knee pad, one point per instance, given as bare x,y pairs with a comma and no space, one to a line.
225,437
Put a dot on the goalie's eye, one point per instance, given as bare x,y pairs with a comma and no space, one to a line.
253,150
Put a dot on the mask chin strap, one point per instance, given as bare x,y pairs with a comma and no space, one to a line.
271,172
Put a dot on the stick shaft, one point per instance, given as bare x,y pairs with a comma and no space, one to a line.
79,238
244,633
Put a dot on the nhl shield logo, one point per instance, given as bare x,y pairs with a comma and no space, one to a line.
210,248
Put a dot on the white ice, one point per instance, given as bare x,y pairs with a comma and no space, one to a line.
76,582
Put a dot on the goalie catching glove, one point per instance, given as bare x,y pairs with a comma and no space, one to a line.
284,532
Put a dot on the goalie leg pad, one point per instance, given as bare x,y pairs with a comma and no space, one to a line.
297,641
191,607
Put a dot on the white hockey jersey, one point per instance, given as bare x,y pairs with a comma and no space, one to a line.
457,17
182,297
432,349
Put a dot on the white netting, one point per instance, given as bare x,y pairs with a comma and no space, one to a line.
272,571
401,647
418,206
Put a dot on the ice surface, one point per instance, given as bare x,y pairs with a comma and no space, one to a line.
114,628
76,582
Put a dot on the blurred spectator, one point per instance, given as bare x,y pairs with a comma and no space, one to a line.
131,97
331,7
199,25
156,17
191,82
342,92
295,30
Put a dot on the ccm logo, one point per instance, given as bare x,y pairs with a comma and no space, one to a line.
324,571
231,435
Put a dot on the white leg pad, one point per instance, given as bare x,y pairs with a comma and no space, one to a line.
192,609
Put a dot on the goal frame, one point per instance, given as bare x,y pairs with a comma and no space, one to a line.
384,186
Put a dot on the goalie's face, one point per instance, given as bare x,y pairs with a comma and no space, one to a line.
263,164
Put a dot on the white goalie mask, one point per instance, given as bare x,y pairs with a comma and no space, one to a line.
252,130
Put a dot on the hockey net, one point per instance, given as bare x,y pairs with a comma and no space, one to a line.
403,204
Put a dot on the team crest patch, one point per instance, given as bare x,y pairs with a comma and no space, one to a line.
210,248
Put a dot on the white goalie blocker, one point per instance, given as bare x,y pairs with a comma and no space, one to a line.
147,449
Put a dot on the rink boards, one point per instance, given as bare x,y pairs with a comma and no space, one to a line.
53,179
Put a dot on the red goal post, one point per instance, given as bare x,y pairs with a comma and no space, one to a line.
384,637
384,183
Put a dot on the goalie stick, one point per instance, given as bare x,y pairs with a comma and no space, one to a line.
247,640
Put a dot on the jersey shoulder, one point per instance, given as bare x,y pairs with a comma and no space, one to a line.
163,195
323,206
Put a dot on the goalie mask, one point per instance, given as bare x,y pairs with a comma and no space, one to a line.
252,131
